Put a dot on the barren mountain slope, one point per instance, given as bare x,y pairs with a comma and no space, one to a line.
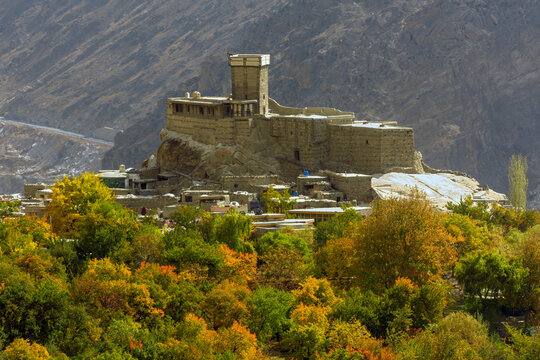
464,74
36,155
84,64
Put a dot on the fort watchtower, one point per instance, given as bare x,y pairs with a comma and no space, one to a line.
249,77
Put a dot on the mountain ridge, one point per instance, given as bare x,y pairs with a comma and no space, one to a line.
462,73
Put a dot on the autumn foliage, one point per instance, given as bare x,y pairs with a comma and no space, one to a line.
100,283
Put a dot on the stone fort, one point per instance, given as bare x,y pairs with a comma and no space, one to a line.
249,134
303,138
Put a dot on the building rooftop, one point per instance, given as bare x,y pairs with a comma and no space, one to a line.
375,125
331,210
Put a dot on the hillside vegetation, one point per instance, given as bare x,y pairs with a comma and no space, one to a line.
95,281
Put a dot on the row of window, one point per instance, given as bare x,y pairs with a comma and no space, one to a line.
231,110
193,109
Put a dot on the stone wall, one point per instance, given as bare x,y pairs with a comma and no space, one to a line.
148,202
298,139
203,129
354,149
234,183
370,149
30,190
397,148
353,186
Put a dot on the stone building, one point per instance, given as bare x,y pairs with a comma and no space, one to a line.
312,138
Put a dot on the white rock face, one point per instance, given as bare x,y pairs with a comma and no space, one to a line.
439,188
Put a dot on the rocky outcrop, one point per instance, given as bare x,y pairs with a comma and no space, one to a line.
180,153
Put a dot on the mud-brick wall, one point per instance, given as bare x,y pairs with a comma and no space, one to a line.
203,129
397,148
242,129
137,203
358,148
247,183
305,135
353,186
30,190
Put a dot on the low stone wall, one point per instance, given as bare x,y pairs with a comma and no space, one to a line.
353,186
148,202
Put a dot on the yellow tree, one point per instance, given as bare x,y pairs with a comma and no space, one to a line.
73,198
402,238
22,349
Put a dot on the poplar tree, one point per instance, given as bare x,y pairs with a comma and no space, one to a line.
517,180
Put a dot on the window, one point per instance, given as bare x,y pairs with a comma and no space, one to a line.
188,198
297,155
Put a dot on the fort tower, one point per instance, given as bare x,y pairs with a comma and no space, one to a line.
249,78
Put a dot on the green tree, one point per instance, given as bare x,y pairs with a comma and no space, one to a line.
7,208
105,230
458,336
489,277
305,341
336,227
524,347
277,202
517,181
234,230
187,250
276,239
270,310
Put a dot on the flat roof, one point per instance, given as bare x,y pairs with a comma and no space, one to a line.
249,60
209,101
352,175
330,210
375,125
113,174
311,116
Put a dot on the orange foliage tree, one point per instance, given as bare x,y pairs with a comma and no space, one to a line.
238,267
